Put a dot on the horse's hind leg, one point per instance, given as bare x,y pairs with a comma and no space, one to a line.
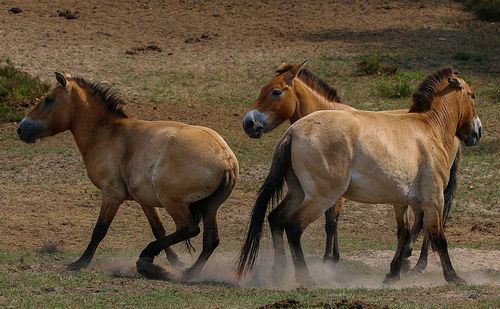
159,232
309,210
208,208
108,211
415,232
277,218
331,220
424,253
403,241
186,228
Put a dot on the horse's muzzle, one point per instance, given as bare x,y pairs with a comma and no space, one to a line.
476,133
29,130
253,124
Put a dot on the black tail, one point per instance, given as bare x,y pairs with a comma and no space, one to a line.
270,192
450,189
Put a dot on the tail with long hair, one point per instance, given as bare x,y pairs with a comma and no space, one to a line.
450,189
270,192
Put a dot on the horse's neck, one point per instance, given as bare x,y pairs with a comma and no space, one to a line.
444,118
88,126
310,101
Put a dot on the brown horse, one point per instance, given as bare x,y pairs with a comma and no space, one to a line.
188,170
369,157
307,93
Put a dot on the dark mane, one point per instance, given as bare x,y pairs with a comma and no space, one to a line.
113,102
423,96
314,82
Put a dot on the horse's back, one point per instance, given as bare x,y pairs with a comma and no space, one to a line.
373,157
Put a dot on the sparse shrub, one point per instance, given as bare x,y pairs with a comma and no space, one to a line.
466,56
488,10
18,90
48,248
400,85
369,65
393,90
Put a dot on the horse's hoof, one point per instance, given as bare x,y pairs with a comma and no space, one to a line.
454,279
307,282
330,260
418,269
188,274
152,271
389,279
77,265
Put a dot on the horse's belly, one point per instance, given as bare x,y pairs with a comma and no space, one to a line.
377,190
143,193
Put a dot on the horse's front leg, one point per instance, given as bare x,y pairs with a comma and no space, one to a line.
403,233
108,211
331,220
433,226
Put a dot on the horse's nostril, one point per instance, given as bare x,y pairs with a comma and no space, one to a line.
248,124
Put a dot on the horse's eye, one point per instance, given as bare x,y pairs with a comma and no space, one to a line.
49,100
473,96
276,93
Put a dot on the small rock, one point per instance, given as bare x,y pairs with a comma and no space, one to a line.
15,10
473,296
25,267
69,14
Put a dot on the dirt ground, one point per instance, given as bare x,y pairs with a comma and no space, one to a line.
45,194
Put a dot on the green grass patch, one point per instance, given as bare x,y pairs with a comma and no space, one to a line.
17,91
369,65
466,56
400,85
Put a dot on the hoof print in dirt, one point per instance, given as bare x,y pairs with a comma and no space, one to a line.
136,50
69,14
203,37
152,271
15,10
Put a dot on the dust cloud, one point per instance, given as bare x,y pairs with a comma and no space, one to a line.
353,271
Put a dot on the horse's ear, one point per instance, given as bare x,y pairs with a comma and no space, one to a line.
455,83
293,72
61,79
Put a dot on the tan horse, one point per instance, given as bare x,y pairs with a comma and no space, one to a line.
188,170
294,93
368,157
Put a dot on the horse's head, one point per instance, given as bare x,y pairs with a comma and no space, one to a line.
50,115
469,127
276,103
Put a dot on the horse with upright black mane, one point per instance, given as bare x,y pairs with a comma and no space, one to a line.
295,92
188,170
370,157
